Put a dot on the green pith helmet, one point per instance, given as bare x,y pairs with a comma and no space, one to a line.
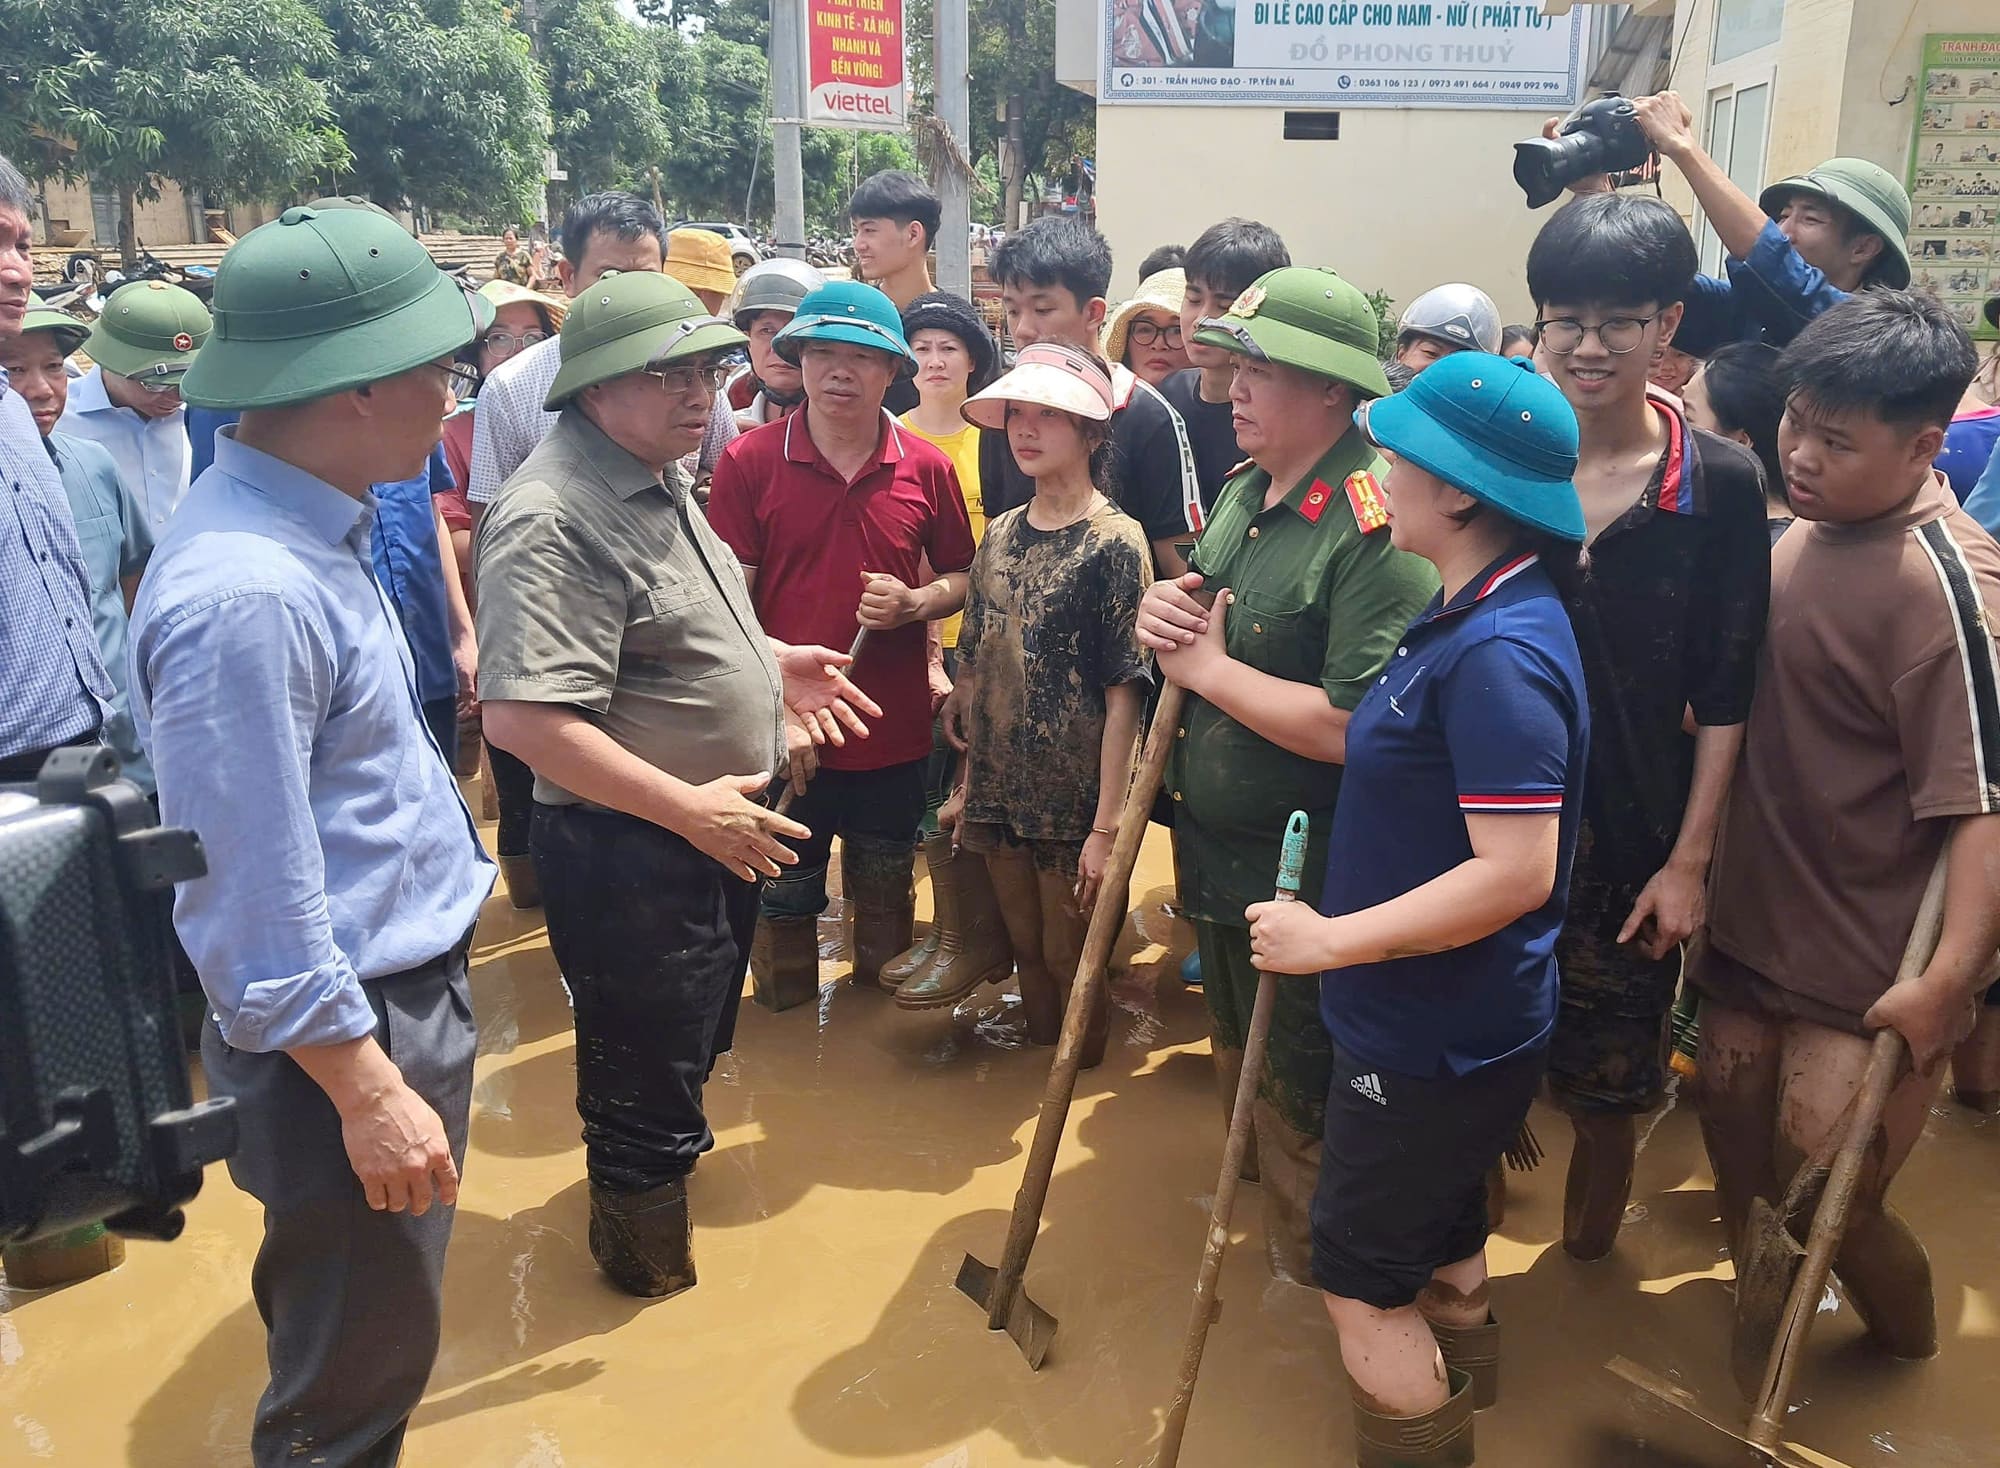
1870,193
1305,317
149,330
67,330
629,320
323,301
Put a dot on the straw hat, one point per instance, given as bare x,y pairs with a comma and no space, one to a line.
699,259
1164,290
1049,376
507,293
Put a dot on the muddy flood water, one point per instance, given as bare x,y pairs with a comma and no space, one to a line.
860,1153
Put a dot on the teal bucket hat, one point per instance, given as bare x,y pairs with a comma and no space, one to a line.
1493,427
321,301
1866,190
848,311
626,322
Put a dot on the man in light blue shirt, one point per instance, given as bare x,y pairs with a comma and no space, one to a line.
278,700
110,527
56,689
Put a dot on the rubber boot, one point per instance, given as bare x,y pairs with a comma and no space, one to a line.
1599,1184
1440,1438
974,949
63,1258
784,962
939,860
1063,930
643,1241
1229,1071
881,905
1475,1350
1289,1163
524,888
1975,1065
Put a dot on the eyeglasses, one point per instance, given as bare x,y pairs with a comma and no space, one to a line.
1144,333
158,387
461,379
506,346
678,381
1616,334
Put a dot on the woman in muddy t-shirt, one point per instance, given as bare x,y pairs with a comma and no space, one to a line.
1050,678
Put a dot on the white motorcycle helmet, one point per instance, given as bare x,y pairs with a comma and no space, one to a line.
1461,316
773,285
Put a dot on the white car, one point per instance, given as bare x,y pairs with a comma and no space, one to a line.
743,249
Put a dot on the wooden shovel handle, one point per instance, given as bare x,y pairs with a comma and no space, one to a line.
1105,924
1829,1224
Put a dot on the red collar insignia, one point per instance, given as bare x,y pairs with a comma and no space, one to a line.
1315,503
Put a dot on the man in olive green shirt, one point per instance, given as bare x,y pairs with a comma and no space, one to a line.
1311,599
621,660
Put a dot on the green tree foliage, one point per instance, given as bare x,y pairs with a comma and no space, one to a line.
1012,50
221,95
441,103
604,77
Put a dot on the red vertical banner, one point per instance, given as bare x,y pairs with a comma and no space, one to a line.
854,64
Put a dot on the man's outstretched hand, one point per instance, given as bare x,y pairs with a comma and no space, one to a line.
826,702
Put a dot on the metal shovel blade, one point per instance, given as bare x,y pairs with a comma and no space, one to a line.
1786,1455
1771,1265
1031,1327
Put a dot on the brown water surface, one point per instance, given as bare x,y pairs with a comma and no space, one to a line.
860,1153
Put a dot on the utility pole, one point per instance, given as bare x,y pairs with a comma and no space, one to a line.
788,174
952,66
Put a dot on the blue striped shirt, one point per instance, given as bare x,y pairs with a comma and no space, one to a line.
57,689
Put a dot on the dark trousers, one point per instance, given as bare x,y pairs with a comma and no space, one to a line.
653,939
351,1298
879,808
514,789
441,718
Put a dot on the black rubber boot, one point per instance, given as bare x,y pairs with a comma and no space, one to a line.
643,1241
1441,1438
524,888
881,904
784,962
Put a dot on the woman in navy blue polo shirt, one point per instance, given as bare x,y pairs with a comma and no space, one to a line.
1446,887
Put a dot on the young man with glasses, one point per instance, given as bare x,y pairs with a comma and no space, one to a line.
1669,622
652,721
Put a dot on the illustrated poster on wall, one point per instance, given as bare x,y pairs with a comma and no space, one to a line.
1446,53
1954,176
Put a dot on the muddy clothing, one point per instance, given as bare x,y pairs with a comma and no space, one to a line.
1318,600
1211,433
808,534
601,587
652,938
1870,731
517,266
1402,1176
1152,465
1669,619
1050,624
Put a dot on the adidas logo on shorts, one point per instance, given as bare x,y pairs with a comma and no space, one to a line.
1370,1086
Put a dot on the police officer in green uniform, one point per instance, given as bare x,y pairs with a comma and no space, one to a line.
1309,601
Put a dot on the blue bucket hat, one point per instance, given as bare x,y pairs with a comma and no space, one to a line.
848,311
1493,427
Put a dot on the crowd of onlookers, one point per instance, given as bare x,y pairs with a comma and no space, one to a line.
1568,638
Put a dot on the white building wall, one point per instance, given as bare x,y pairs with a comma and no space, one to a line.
1402,201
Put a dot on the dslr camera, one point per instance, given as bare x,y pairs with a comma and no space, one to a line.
1602,136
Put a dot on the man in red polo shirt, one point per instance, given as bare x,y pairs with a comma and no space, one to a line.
838,514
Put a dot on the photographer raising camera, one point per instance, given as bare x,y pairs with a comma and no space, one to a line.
1799,249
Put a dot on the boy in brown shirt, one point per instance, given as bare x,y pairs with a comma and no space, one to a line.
1874,741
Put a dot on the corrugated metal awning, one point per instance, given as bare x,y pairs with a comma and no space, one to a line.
1643,7
1637,58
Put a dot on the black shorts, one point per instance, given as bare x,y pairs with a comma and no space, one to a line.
1402,1178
